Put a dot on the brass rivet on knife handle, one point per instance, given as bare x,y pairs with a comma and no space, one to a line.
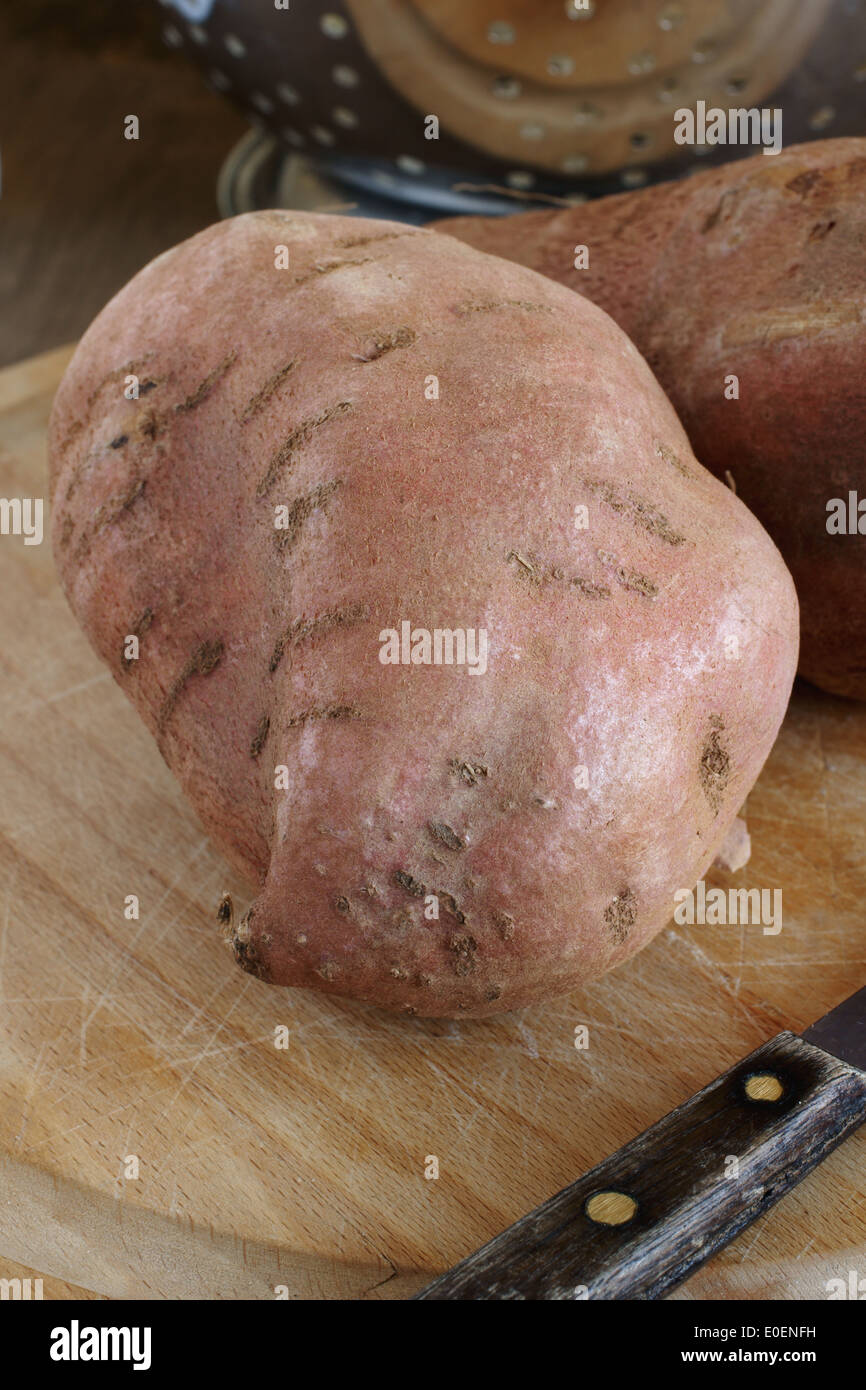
763,1086
610,1208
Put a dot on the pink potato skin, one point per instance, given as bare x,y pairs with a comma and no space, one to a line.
656,647
757,268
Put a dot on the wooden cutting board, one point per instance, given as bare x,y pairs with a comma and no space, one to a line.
137,1045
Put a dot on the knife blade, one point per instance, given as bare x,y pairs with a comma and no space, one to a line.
643,1220
842,1032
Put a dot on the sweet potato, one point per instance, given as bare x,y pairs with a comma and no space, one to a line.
756,269
398,429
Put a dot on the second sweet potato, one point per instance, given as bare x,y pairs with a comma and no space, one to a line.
755,270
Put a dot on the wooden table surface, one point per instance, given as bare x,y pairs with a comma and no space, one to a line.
137,1047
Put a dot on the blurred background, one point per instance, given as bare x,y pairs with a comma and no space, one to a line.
82,209
325,105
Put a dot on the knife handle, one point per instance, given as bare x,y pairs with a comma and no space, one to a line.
641,1221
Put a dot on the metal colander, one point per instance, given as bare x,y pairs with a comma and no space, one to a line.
529,100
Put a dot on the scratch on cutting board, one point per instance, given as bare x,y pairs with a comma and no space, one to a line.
827,818
82,1041
62,694
31,1090
742,959
715,971
223,1052
529,1038
53,1138
5,926
541,1089
449,1087
747,1248
204,1007
245,1042
144,925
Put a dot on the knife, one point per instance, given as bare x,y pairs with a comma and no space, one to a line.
643,1220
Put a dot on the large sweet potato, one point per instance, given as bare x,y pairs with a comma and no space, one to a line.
756,269
398,429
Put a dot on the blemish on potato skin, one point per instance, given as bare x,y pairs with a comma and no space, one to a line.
346,242
642,513
420,890
131,368
138,629
116,374
118,504
467,771
247,958
107,514
302,508
526,565
411,885
534,572
449,902
803,320
262,397
721,210
300,435
328,970
260,736
486,306
505,923
204,388
245,952
401,923
383,343
145,425
620,915
664,451
632,580
821,229
445,835
715,764
205,659
324,712
463,949
304,629
802,183
327,268
637,583
591,590
243,933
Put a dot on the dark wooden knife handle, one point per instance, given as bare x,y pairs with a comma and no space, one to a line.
692,1182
